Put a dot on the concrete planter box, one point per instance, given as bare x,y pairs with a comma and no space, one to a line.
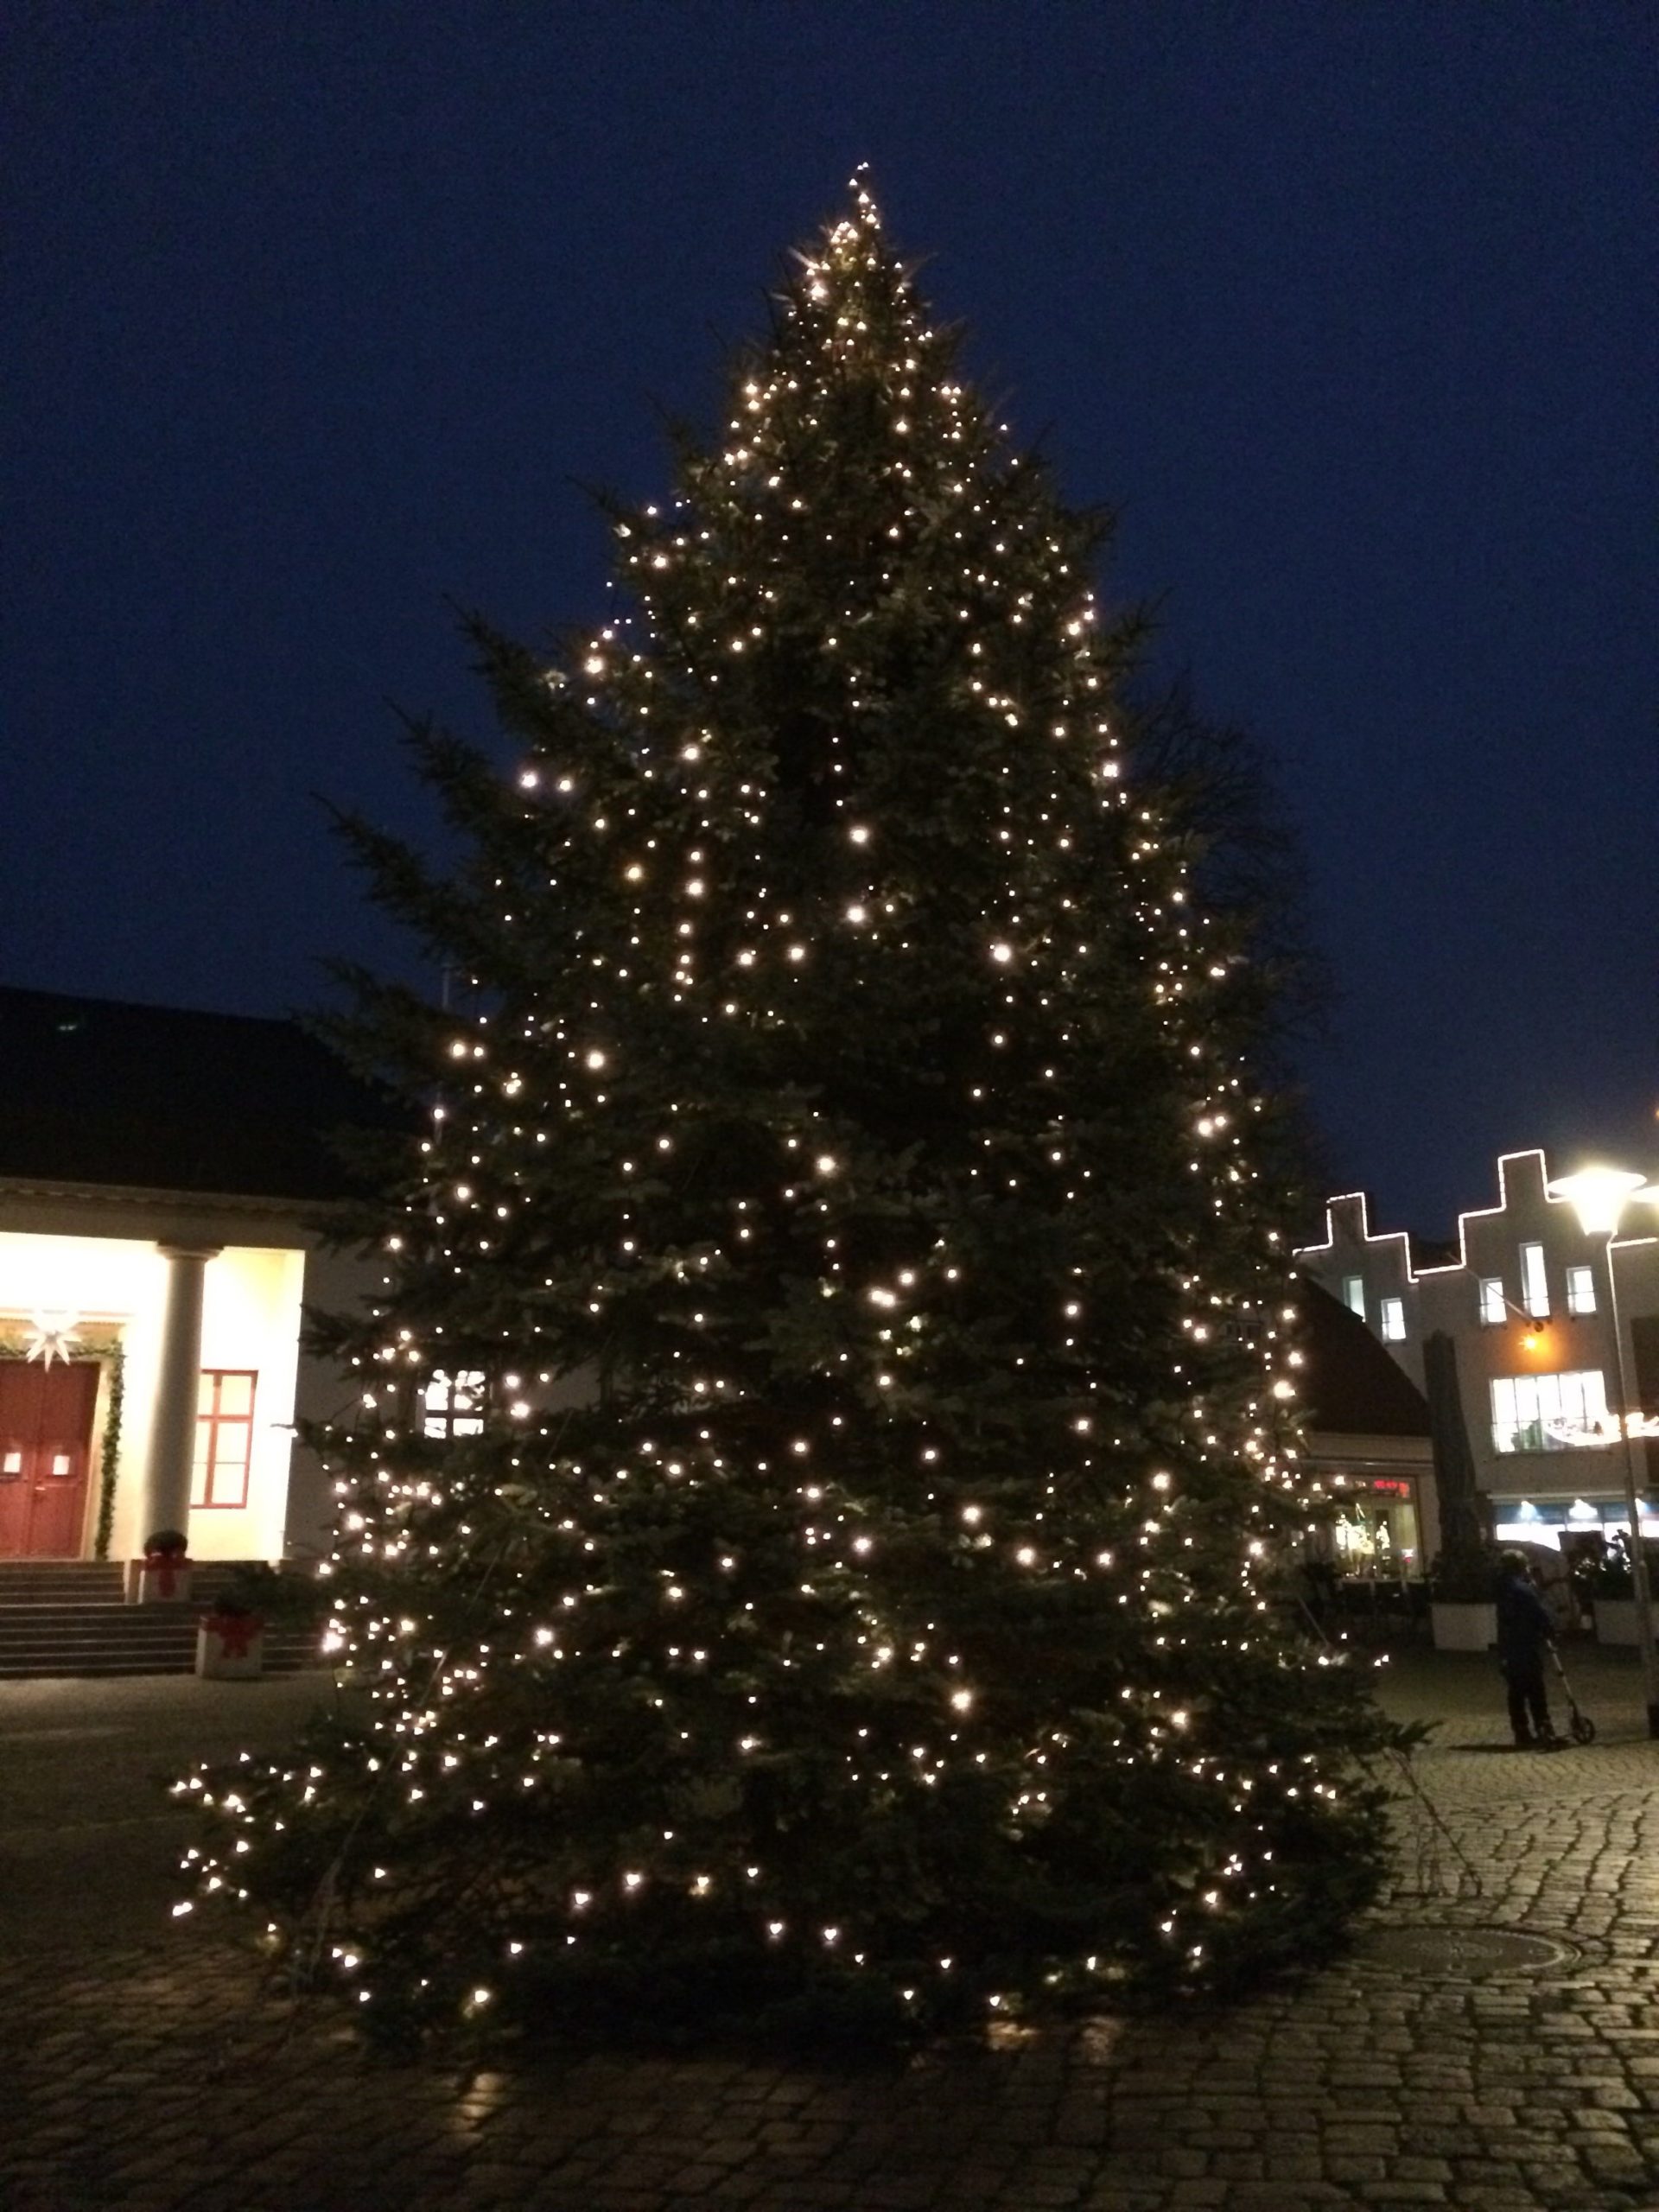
1464,1628
230,1648
1616,1620
158,1581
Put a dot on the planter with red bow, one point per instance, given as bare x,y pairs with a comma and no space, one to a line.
230,1646
162,1574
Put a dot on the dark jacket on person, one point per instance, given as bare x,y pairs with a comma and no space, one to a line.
1523,1626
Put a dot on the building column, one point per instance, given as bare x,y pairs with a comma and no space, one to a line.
172,1445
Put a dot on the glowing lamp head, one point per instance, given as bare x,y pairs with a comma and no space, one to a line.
1598,1196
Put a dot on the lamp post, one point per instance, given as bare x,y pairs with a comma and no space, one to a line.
1598,1197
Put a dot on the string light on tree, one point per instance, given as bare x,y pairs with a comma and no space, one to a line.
828,1407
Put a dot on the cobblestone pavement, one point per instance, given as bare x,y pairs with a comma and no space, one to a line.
139,2069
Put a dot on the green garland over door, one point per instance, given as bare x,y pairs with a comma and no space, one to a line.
107,1352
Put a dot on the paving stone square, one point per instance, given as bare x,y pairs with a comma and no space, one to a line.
144,2069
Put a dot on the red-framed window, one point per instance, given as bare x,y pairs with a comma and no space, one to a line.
224,1438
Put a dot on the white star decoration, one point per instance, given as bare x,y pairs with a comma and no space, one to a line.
53,1336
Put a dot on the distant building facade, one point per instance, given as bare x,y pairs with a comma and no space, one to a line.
1524,1294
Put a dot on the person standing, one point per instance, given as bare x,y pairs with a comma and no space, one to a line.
1523,1635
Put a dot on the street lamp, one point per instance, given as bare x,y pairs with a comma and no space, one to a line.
1598,1196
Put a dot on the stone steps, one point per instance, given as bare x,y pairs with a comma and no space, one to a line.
24,1581
69,1618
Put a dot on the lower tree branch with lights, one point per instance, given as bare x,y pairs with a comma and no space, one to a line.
851,1197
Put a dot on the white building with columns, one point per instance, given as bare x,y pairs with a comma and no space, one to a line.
164,1181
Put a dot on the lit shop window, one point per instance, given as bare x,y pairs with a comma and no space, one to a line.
1394,1320
224,1439
1550,1413
1580,1291
1353,1294
1493,1308
1535,1284
453,1405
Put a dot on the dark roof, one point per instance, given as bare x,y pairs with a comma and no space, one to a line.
97,1090
1350,1385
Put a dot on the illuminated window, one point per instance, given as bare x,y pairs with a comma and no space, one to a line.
453,1405
1580,1291
1394,1320
1353,1294
224,1439
1493,1308
1550,1413
1535,1284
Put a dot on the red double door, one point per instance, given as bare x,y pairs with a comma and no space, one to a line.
45,1440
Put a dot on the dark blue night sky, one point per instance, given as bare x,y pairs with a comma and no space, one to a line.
317,318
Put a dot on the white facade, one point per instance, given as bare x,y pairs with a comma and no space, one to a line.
194,1304
1525,1297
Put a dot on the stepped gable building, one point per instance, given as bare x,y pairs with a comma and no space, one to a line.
163,1178
1524,1295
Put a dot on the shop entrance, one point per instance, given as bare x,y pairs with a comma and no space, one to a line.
1377,1536
46,1442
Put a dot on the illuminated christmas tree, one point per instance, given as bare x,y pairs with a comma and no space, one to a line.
824,1430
